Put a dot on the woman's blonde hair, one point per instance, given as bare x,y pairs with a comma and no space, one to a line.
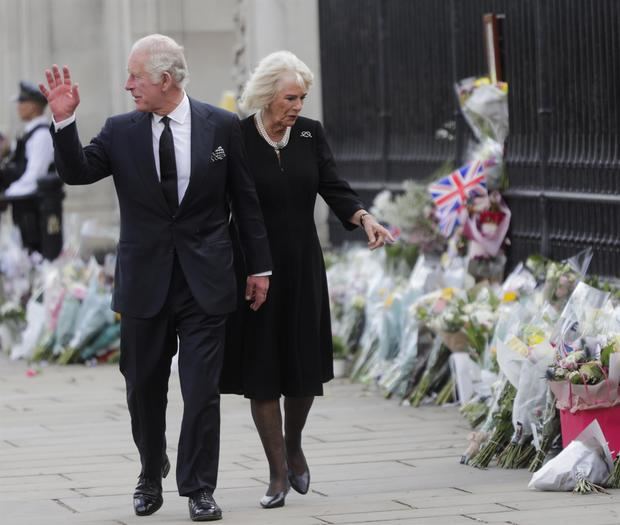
262,85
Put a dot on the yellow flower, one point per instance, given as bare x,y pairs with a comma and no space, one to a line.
509,297
535,339
518,346
447,293
482,81
389,300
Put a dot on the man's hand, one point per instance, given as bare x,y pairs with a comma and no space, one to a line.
63,96
256,290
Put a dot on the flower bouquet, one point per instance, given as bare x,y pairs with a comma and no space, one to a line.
586,372
562,277
547,433
411,212
486,227
495,432
435,375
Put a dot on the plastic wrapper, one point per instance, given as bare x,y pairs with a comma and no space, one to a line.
485,107
470,380
396,375
579,378
587,457
583,397
350,278
94,314
520,282
378,292
513,341
496,430
546,433
562,278
108,337
437,371
588,313
390,320
66,323
35,324
487,229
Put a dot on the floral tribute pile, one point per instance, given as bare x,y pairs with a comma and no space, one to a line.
531,358
56,311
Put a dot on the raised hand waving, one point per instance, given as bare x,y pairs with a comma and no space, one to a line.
62,95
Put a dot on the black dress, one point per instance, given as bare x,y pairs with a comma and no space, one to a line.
285,348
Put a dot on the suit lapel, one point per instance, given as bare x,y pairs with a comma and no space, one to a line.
203,135
141,137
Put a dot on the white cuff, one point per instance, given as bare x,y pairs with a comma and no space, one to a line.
63,123
262,274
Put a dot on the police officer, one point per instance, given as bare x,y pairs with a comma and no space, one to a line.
31,159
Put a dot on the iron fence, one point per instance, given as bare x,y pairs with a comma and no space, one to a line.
388,70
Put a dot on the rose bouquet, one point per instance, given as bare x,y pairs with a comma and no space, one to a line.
486,227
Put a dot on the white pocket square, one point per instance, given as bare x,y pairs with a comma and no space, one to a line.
218,154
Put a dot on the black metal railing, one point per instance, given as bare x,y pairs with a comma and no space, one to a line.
388,70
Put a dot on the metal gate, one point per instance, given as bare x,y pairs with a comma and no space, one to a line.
388,70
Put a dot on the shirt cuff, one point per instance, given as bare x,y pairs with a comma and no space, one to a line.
63,123
262,274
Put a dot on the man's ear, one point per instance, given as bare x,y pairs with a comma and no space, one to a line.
166,81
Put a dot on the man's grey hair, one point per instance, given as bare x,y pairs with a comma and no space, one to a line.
263,84
164,55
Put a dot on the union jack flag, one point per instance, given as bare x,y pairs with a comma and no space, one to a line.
449,218
460,185
451,193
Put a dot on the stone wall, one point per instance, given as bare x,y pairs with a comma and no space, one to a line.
223,40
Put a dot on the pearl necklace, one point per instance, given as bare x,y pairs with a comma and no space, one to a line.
277,145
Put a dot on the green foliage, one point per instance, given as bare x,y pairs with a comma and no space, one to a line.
340,348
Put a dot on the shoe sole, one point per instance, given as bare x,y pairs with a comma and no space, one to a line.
206,518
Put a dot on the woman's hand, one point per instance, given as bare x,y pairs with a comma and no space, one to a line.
377,235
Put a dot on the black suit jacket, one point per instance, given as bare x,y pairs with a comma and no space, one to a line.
149,234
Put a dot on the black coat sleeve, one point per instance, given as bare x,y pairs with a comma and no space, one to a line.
337,193
77,165
246,209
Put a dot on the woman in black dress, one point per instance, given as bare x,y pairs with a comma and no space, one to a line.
285,348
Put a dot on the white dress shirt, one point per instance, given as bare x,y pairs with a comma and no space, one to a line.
39,153
181,127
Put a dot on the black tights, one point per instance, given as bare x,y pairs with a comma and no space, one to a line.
282,451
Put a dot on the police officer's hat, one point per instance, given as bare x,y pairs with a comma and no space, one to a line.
30,91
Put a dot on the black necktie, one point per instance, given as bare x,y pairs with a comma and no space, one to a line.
168,166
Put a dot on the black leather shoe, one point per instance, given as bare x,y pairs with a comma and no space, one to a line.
300,483
202,507
147,498
275,501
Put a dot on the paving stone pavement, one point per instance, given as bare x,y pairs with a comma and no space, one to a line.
66,457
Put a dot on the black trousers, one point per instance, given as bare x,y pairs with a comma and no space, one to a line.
147,348
27,218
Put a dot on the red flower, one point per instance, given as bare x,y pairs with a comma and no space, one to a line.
490,216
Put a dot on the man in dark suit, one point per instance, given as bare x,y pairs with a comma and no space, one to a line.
178,167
